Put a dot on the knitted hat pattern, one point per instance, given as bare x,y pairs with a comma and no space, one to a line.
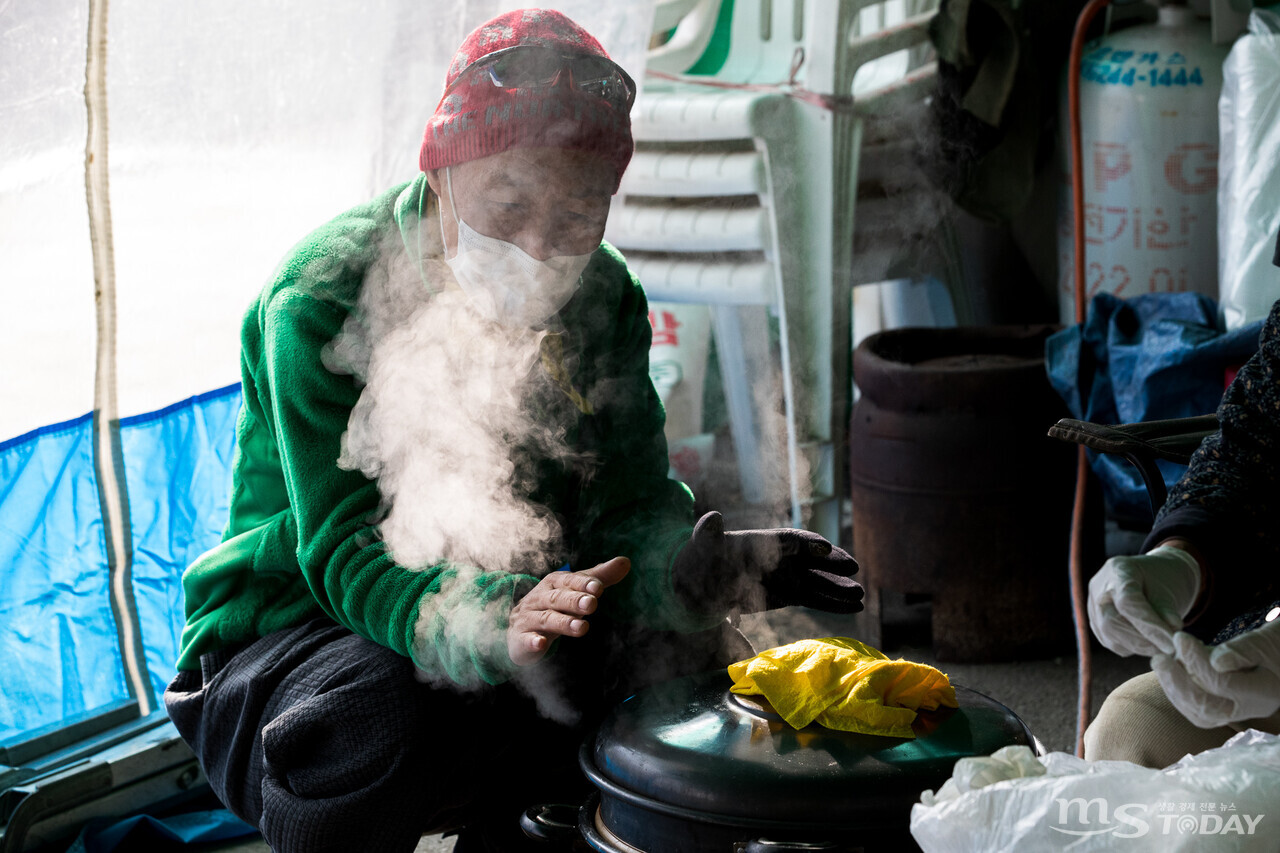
475,119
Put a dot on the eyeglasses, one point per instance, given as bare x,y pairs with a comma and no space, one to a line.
535,67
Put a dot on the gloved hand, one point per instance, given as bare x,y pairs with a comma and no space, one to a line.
790,567
1136,603
1237,680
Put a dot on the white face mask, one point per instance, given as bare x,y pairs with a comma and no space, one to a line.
505,283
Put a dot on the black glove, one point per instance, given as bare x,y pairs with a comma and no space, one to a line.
729,571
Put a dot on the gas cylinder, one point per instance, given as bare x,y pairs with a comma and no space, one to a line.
1149,140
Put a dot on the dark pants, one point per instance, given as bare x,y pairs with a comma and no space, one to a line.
326,741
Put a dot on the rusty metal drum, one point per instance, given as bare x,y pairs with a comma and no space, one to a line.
958,493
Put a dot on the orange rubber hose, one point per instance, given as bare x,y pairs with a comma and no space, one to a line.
1079,616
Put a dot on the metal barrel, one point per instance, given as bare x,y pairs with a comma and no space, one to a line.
958,493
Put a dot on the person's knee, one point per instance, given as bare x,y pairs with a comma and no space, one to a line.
1138,723
1113,736
353,768
349,735
1133,724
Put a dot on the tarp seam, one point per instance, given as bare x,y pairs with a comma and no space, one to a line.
188,403
49,429
133,420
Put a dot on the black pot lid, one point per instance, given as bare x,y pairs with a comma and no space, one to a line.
692,745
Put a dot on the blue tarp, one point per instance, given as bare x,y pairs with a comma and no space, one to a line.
178,472
1146,358
58,636
57,633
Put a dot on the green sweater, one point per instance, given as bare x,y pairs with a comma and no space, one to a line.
302,540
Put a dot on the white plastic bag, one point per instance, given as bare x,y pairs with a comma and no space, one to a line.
1224,799
1249,173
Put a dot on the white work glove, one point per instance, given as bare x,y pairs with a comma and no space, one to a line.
1136,603
1237,680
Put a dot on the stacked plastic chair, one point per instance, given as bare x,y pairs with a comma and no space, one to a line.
741,196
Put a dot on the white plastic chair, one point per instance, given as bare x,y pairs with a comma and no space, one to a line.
693,22
742,198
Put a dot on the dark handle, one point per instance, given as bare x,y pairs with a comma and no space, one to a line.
552,822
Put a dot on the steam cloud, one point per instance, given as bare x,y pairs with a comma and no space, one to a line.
447,397
450,401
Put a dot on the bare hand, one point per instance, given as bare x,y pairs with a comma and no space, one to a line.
556,607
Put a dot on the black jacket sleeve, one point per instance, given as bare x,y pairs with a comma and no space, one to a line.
1228,502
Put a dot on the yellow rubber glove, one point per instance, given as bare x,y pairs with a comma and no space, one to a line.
843,684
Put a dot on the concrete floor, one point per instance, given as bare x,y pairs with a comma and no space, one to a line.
1042,692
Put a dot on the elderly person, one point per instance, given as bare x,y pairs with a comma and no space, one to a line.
446,402
1207,574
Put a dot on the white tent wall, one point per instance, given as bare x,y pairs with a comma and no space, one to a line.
232,133
47,326
234,128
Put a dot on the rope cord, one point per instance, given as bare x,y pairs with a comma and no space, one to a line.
1079,615
791,88
108,453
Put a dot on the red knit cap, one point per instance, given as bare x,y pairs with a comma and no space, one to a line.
475,118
